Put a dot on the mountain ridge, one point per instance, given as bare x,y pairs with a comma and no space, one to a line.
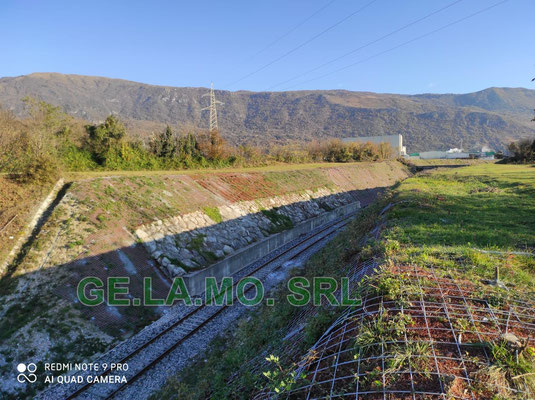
490,117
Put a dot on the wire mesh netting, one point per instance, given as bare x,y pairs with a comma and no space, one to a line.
294,332
421,334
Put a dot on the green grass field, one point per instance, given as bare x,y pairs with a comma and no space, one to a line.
485,206
455,216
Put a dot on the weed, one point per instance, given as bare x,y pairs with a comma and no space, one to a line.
209,256
325,206
18,315
510,370
413,355
280,222
280,380
179,263
399,288
317,326
462,324
75,243
196,243
381,329
213,213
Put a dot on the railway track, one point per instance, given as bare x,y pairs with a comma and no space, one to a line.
151,352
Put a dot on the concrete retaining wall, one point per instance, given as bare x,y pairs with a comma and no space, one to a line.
190,242
237,261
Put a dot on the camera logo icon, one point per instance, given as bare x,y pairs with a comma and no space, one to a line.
26,373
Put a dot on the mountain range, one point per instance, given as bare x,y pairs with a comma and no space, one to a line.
491,117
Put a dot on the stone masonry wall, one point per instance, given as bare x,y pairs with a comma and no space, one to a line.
194,241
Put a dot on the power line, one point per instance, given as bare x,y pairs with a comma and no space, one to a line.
402,44
292,29
303,44
367,44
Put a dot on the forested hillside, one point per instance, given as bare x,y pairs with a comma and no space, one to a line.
490,117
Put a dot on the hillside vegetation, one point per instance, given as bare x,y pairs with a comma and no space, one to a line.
490,117
37,148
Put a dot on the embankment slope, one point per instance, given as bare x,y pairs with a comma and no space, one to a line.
91,232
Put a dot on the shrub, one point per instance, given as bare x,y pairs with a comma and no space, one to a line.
75,158
42,169
523,150
131,156
213,146
50,134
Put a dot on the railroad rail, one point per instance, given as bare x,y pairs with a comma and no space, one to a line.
152,351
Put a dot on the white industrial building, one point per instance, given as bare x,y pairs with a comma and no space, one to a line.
453,154
396,141
449,154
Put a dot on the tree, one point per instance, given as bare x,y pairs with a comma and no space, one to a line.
103,137
316,150
165,144
46,123
213,146
30,147
188,147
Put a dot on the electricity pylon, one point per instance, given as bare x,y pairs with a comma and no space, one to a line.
212,108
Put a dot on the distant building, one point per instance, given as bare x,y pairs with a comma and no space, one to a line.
396,141
452,154
433,154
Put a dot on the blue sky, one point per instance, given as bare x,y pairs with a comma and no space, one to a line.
191,43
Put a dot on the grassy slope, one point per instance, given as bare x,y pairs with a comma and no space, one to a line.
134,199
17,205
137,195
453,161
441,219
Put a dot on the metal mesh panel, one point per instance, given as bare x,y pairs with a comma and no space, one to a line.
437,341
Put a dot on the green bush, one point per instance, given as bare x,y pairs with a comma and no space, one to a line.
104,137
75,158
131,156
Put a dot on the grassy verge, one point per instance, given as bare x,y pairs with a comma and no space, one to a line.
208,171
483,206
